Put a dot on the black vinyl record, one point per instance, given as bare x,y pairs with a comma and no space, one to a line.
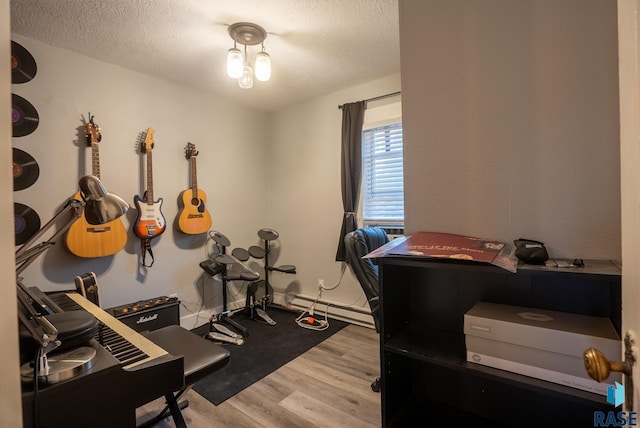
24,116
25,169
23,66
26,222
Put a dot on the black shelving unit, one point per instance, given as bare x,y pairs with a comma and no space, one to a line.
425,375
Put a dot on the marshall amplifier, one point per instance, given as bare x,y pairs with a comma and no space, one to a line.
148,315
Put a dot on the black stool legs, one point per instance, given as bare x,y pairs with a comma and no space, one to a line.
201,358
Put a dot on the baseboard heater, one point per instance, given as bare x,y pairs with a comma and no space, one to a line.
350,314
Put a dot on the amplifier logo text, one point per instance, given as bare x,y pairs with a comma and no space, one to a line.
147,319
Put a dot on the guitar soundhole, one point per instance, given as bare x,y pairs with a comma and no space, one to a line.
195,202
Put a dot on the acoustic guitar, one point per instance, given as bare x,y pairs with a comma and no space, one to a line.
193,217
150,221
88,240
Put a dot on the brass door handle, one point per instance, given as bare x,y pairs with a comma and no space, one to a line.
599,368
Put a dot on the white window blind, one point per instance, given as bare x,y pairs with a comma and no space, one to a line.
382,175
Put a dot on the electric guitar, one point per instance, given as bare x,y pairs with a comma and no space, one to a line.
88,240
150,221
193,217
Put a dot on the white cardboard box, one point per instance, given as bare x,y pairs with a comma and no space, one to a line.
544,344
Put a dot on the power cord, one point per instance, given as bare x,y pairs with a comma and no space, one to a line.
333,287
307,319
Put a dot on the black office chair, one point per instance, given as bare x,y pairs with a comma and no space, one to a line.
201,358
357,244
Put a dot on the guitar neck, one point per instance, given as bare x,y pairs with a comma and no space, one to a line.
194,178
95,159
149,193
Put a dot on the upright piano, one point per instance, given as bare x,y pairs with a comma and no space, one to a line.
128,371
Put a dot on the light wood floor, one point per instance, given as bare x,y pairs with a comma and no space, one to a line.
328,386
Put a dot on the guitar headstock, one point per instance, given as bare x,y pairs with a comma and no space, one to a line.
92,132
148,143
190,151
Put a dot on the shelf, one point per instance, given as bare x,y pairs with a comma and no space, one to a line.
591,267
432,414
448,350
423,353
431,346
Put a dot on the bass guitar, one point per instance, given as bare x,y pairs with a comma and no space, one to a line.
193,217
88,240
150,221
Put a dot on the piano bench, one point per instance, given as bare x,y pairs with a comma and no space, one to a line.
201,358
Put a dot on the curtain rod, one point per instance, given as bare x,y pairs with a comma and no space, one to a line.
377,98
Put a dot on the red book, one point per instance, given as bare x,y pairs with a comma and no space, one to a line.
450,246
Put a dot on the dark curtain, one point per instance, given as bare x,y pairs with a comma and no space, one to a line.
351,168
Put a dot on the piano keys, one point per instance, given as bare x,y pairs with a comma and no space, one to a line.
128,371
124,343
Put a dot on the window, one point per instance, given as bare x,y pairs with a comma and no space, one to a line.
382,176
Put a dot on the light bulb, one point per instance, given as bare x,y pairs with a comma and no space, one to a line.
235,63
246,80
263,66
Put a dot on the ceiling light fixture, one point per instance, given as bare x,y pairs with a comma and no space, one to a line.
238,66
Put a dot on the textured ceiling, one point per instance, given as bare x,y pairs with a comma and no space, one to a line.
316,46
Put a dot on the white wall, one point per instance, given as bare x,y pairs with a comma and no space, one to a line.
232,144
510,114
304,199
629,48
10,417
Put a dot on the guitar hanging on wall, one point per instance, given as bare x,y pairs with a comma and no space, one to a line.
193,217
87,240
150,222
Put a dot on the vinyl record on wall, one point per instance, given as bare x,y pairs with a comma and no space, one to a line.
25,169
26,222
23,66
24,116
